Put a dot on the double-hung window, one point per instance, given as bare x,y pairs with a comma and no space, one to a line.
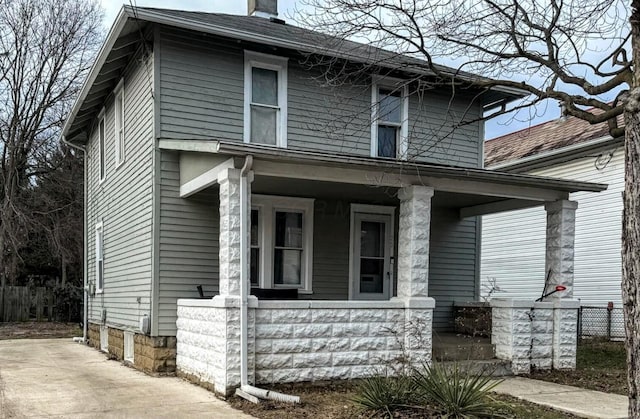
101,147
390,114
99,257
281,242
265,99
119,123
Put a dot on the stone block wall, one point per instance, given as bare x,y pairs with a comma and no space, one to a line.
292,341
201,346
324,343
93,333
565,336
116,343
538,335
153,355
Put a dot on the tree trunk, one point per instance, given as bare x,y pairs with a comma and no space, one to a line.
63,269
631,221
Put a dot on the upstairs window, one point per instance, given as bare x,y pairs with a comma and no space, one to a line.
99,257
281,242
119,124
101,149
265,97
390,114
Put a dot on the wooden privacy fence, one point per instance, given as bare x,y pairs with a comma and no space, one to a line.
19,304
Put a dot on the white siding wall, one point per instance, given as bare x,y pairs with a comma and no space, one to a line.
123,202
513,243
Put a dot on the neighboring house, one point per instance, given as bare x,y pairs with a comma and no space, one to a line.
513,243
216,157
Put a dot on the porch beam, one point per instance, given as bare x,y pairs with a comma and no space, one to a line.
329,174
498,206
474,187
208,178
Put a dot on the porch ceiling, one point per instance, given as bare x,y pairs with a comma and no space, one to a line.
288,172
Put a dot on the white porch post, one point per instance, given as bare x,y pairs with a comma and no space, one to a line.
228,301
413,241
413,270
561,231
229,252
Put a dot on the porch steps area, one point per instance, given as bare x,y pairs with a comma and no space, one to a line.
472,354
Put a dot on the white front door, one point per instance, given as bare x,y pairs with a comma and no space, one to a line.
372,244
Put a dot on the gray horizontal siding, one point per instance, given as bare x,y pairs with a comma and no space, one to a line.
452,264
124,203
202,96
331,250
188,248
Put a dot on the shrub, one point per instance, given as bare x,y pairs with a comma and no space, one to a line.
453,392
384,394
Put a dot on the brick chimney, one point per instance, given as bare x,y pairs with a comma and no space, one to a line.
263,8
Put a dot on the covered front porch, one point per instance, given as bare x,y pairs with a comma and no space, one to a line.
377,253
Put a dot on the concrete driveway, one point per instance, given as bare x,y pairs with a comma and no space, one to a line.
56,378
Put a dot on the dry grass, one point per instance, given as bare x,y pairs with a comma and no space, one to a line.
333,401
601,365
38,330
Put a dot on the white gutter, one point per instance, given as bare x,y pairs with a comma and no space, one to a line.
85,240
246,390
571,149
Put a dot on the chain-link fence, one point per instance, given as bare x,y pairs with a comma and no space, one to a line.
602,322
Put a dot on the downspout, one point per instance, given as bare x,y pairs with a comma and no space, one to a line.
246,390
85,283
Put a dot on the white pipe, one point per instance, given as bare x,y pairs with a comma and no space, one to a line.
244,295
85,283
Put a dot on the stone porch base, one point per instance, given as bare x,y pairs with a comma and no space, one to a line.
152,354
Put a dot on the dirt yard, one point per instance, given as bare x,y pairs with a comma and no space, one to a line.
39,330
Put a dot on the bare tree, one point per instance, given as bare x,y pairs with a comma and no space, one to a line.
46,48
582,53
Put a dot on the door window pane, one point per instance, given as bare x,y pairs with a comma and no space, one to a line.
387,136
372,239
289,229
264,86
287,267
371,275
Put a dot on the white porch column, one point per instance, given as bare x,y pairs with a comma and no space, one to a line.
413,271
413,241
227,362
229,238
561,231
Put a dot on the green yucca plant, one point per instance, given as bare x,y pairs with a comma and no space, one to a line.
455,393
384,394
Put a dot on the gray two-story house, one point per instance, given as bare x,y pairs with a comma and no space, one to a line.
250,219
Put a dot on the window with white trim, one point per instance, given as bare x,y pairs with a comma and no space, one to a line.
99,257
389,115
119,123
265,99
282,242
101,148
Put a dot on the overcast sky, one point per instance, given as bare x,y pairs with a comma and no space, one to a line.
493,128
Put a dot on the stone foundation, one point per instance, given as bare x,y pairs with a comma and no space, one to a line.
93,334
153,355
